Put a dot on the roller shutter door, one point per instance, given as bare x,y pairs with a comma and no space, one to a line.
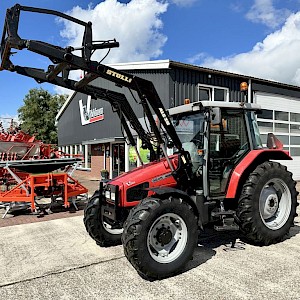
281,115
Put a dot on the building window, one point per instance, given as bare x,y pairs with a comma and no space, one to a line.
220,94
295,140
295,128
295,151
265,114
281,115
281,127
212,93
265,126
295,117
204,94
284,139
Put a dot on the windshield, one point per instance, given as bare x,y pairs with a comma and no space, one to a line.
189,128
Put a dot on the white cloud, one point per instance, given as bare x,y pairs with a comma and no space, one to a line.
184,2
197,57
263,11
277,57
136,25
62,91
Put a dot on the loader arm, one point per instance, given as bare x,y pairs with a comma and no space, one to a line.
64,60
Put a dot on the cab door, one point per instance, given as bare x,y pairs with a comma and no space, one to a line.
228,143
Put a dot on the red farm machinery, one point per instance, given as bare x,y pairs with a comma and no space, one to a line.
219,172
28,173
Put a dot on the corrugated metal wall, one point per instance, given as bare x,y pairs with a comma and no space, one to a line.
185,84
161,80
70,130
173,86
272,89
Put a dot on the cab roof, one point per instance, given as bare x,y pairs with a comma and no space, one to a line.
195,106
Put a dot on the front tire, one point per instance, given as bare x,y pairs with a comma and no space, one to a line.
98,229
267,205
160,236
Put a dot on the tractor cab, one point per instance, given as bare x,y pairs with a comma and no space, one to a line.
217,136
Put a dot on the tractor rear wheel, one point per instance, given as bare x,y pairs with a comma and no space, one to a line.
267,206
160,236
95,224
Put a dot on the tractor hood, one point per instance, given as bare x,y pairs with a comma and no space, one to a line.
157,173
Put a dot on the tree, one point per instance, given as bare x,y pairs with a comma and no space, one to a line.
37,115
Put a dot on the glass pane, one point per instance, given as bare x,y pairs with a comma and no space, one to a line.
83,154
295,151
265,126
228,144
189,127
295,117
118,159
132,158
295,140
282,128
89,156
265,114
219,94
255,132
284,139
281,115
204,94
264,138
295,128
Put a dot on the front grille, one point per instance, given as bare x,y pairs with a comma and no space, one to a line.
138,192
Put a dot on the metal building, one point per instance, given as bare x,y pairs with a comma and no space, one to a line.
90,127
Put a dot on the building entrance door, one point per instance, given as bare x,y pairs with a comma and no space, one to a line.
118,159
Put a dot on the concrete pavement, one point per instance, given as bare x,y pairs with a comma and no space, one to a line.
58,260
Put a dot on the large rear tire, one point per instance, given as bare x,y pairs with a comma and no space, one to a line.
95,224
160,236
267,205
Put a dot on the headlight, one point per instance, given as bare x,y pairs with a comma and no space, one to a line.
111,193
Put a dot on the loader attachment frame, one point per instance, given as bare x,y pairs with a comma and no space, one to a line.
64,61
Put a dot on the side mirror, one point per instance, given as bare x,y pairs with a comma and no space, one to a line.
215,116
144,146
170,144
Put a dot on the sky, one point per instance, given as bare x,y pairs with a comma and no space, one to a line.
260,38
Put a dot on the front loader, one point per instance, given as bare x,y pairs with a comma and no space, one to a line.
219,172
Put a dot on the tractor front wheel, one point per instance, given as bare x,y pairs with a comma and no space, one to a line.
267,206
103,233
160,236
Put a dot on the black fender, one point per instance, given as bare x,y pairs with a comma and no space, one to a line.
166,192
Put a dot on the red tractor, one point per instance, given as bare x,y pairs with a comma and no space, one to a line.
218,173
232,182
